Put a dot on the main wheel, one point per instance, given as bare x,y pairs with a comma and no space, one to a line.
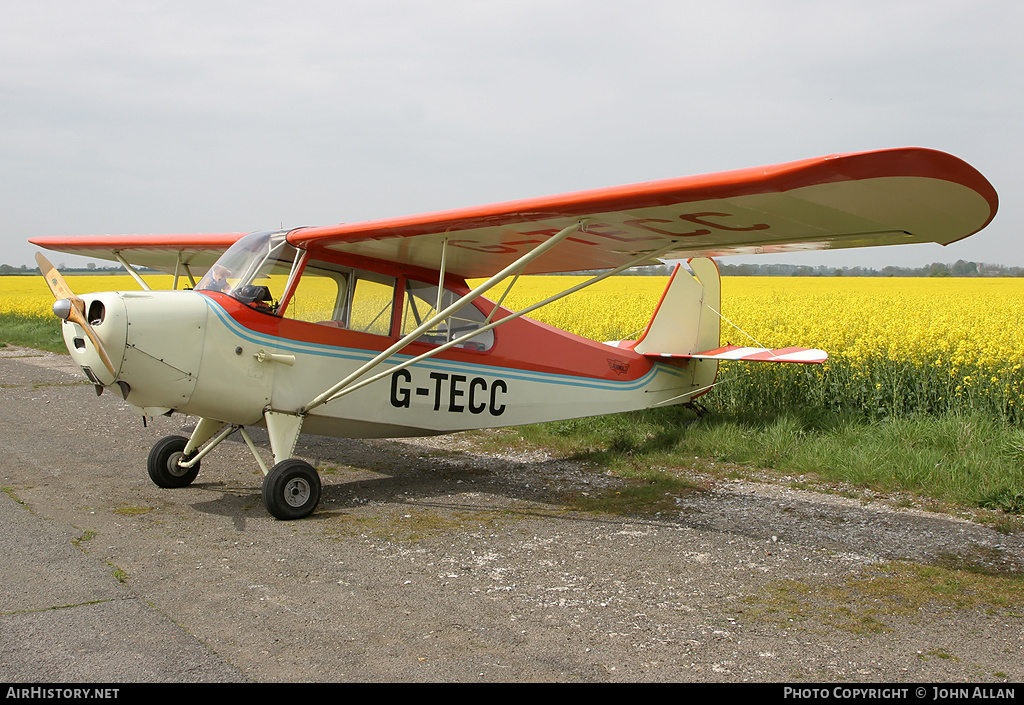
163,463
291,490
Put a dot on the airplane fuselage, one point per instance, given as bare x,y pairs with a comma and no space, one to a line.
208,355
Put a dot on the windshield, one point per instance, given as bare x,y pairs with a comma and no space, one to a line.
254,270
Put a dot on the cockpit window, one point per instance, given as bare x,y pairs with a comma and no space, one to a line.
254,270
373,299
342,297
320,294
257,268
420,306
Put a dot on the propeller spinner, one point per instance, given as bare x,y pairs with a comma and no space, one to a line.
70,307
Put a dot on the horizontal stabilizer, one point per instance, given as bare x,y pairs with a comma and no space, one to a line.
736,352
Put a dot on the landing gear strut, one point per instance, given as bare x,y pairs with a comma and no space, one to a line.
291,489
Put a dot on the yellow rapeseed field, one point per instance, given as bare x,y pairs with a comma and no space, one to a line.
896,345
949,322
29,296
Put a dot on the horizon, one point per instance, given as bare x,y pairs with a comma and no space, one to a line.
762,269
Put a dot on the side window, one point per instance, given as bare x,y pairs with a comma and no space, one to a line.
340,297
373,299
319,296
420,303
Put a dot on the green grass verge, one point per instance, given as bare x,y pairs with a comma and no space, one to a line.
968,460
39,332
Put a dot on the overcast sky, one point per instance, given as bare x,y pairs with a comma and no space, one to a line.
181,116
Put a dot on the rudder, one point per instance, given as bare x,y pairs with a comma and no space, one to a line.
686,319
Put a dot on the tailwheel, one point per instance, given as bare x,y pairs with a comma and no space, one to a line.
291,490
163,463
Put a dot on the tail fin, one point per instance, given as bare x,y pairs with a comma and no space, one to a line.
686,319
687,324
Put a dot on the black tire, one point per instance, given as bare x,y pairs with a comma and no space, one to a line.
163,463
291,490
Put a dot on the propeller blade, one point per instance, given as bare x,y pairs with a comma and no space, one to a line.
76,312
54,280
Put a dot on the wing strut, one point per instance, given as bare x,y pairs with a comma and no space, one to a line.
440,276
131,270
179,264
348,384
445,314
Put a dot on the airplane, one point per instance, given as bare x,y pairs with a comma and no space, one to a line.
370,329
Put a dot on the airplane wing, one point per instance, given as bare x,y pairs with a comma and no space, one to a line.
160,252
865,199
887,197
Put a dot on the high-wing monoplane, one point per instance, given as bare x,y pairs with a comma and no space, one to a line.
371,329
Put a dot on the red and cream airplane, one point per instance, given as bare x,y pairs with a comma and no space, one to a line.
371,330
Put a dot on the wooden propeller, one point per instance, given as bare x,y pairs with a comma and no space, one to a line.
74,309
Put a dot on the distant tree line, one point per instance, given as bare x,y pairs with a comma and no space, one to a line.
90,268
960,268
6,269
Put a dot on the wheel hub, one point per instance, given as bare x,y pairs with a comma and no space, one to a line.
296,492
174,467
